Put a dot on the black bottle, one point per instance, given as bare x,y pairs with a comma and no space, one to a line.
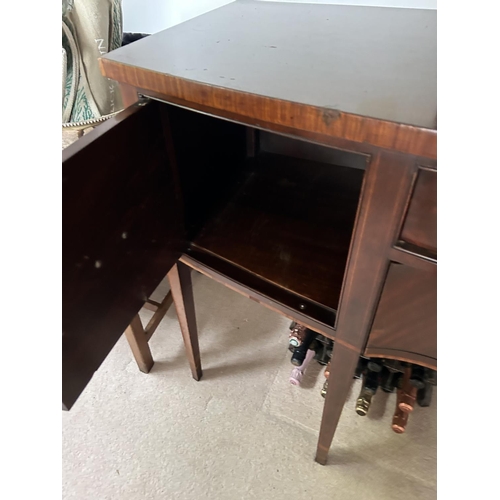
362,362
389,379
424,395
299,354
370,385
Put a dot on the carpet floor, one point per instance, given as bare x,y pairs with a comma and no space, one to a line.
243,431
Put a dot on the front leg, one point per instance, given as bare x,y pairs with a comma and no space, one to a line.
342,367
181,288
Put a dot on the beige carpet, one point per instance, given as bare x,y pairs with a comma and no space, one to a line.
242,432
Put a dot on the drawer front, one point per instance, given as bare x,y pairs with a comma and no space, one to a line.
121,235
405,322
420,224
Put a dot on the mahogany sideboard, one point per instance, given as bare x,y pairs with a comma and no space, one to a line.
285,150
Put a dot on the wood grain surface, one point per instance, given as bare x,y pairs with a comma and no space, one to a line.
406,316
367,61
366,75
420,225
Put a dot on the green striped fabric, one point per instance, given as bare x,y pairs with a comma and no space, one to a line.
90,29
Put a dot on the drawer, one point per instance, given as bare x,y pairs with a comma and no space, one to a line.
121,235
405,321
420,223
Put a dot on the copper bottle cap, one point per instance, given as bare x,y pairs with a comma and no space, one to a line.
398,429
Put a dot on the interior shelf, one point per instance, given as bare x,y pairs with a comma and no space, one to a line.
289,222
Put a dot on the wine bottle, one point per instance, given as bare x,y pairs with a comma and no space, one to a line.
299,354
371,383
360,368
413,380
424,395
297,334
298,372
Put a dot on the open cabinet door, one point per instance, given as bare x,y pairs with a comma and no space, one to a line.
122,232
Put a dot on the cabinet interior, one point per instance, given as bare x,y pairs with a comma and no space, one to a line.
277,210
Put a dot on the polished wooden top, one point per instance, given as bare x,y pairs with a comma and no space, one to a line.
370,61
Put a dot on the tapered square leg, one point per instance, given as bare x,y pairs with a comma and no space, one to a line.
136,337
182,292
342,366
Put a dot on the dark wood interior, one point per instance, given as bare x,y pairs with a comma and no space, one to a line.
267,203
287,210
210,155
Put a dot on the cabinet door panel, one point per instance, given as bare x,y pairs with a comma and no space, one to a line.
122,233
